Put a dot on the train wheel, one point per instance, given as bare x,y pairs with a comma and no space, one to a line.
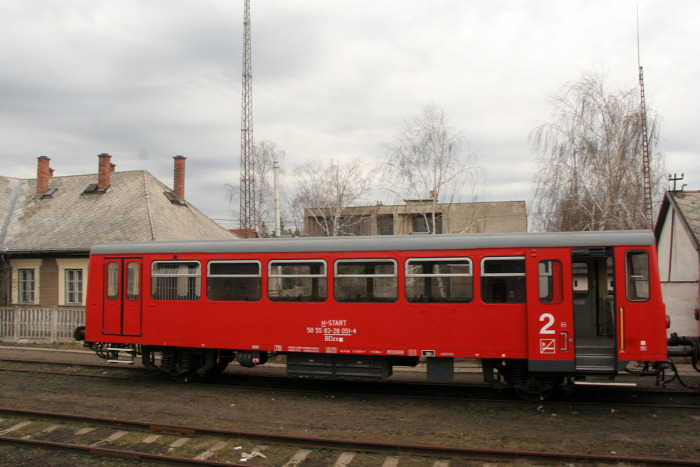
537,389
180,364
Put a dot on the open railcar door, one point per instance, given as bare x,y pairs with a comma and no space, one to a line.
550,318
594,310
121,314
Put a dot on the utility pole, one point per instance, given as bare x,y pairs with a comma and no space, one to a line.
248,215
278,223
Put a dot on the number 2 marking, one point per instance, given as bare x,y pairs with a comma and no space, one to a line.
546,328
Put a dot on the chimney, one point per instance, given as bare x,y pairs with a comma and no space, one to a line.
104,171
112,167
43,172
179,177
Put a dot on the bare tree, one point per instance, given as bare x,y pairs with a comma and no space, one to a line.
590,174
427,164
326,189
265,154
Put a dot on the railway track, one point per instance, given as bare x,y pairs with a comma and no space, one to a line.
145,441
588,397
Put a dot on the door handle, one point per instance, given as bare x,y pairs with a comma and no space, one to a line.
622,329
563,341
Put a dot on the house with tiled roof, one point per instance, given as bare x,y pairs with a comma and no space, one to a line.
678,244
49,224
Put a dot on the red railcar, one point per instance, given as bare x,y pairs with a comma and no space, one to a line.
538,309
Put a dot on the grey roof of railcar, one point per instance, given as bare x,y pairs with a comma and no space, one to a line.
384,243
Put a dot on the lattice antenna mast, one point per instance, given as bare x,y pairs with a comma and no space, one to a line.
248,218
646,171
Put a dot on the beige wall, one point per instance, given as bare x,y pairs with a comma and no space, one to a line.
486,217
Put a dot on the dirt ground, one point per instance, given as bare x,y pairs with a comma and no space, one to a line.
669,434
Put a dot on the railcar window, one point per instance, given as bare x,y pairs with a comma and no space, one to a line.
439,280
132,281
297,280
112,280
551,282
366,280
637,275
176,280
234,280
503,280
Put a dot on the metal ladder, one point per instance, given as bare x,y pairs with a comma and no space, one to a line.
127,359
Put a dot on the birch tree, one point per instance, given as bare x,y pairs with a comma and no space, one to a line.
324,190
428,163
589,156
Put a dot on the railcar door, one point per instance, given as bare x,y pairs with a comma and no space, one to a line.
121,314
594,310
549,311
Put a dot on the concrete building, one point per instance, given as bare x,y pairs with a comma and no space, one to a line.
416,216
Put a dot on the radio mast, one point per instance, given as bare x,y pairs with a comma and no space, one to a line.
645,140
248,221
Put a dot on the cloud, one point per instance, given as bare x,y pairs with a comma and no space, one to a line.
145,81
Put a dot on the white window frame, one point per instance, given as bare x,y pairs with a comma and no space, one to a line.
71,263
18,264
211,276
273,278
449,258
337,278
182,288
282,262
365,260
501,258
463,260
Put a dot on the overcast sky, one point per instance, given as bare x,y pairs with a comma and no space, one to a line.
145,80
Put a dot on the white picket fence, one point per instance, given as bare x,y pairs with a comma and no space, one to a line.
39,324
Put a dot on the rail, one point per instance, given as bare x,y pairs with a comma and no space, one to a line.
40,324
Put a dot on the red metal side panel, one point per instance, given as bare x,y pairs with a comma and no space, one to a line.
474,329
641,325
550,319
94,300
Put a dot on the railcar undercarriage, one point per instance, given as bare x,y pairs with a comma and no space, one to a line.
187,364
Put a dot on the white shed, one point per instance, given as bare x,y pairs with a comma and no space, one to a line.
677,231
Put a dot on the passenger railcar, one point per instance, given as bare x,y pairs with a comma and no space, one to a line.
537,309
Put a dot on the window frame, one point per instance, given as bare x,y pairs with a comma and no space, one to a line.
22,290
485,275
323,275
259,276
112,280
630,282
553,279
196,288
133,291
76,283
409,275
384,227
337,276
